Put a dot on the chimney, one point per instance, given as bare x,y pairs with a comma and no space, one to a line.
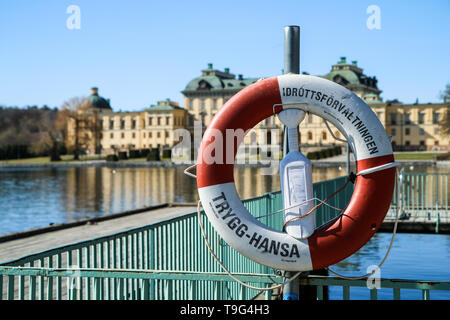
210,66
227,70
343,60
94,91
354,62
240,77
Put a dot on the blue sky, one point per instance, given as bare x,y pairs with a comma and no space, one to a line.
139,52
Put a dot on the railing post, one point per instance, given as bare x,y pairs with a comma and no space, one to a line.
396,293
10,287
374,294
437,222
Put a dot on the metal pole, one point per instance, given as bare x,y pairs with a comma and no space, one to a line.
291,65
292,49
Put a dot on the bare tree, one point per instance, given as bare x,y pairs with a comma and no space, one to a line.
79,125
51,138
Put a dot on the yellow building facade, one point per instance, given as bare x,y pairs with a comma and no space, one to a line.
151,128
412,126
109,132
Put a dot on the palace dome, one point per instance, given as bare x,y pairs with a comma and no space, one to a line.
98,102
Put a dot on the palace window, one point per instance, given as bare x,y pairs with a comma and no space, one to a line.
421,131
202,105
421,118
111,124
167,120
133,135
133,124
122,135
407,118
167,134
393,118
149,121
122,124
324,135
393,132
407,131
435,117
158,134
111,135
159,121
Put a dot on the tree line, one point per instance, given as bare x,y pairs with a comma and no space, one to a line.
34,131
24,132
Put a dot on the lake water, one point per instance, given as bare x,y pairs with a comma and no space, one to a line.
413,256
36,197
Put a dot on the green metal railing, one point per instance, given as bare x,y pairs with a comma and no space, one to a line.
175,244
169,260
165,285
423,195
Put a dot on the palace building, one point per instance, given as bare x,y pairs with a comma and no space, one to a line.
412,126
110,131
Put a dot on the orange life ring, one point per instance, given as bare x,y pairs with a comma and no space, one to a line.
340,237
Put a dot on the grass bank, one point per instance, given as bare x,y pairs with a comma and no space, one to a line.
406,156
416,155
64,158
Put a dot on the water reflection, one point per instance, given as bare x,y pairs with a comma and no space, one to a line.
36,197
251,183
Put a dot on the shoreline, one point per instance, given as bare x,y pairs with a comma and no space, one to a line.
170,164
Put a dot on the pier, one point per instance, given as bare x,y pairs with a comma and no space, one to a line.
13,246
159,253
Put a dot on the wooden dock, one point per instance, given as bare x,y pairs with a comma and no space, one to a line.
17,245
417,225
